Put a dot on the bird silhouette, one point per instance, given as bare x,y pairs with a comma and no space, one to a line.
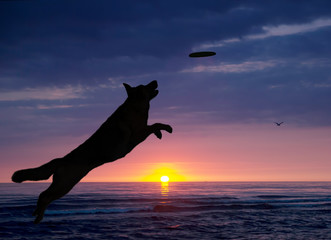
278,124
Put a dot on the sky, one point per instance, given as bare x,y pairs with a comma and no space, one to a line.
63,64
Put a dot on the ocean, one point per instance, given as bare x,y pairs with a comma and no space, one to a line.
177,210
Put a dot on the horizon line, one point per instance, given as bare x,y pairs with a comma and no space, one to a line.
224,181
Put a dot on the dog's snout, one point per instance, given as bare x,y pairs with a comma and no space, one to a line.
153,84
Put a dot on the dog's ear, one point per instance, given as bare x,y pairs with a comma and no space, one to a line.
128,88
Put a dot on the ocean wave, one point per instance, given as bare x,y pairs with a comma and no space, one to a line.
93,211
171,208
159,208
274,196
93,200
263,202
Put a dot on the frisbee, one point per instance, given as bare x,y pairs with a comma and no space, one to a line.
202,54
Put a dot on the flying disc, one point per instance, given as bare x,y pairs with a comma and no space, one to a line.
202,54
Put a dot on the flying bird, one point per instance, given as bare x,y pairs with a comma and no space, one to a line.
278,124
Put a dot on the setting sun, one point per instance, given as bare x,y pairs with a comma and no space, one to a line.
164,179
163,172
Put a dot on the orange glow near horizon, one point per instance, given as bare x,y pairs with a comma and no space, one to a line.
214,153
164,174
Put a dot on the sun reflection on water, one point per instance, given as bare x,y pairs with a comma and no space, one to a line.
164,189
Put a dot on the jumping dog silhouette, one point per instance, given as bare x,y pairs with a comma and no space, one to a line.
122,131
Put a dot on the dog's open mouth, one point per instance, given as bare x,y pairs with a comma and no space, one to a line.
153,88
154,93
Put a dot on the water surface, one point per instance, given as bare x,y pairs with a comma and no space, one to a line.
183,210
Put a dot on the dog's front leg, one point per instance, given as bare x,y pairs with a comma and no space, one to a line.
157,127
141,136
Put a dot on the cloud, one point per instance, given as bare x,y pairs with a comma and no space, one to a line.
272,31
43,93
316,62
46,107
99,46
284,30
247,66
89,41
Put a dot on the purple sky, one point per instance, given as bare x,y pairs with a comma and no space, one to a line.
63,62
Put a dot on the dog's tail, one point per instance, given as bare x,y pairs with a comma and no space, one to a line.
35,174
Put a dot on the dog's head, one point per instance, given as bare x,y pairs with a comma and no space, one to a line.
142,92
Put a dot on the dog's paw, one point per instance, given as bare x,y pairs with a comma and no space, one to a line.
168,128
158,134
19,176
157,127
39,216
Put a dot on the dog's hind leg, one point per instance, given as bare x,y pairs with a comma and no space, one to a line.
39,173
64,179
